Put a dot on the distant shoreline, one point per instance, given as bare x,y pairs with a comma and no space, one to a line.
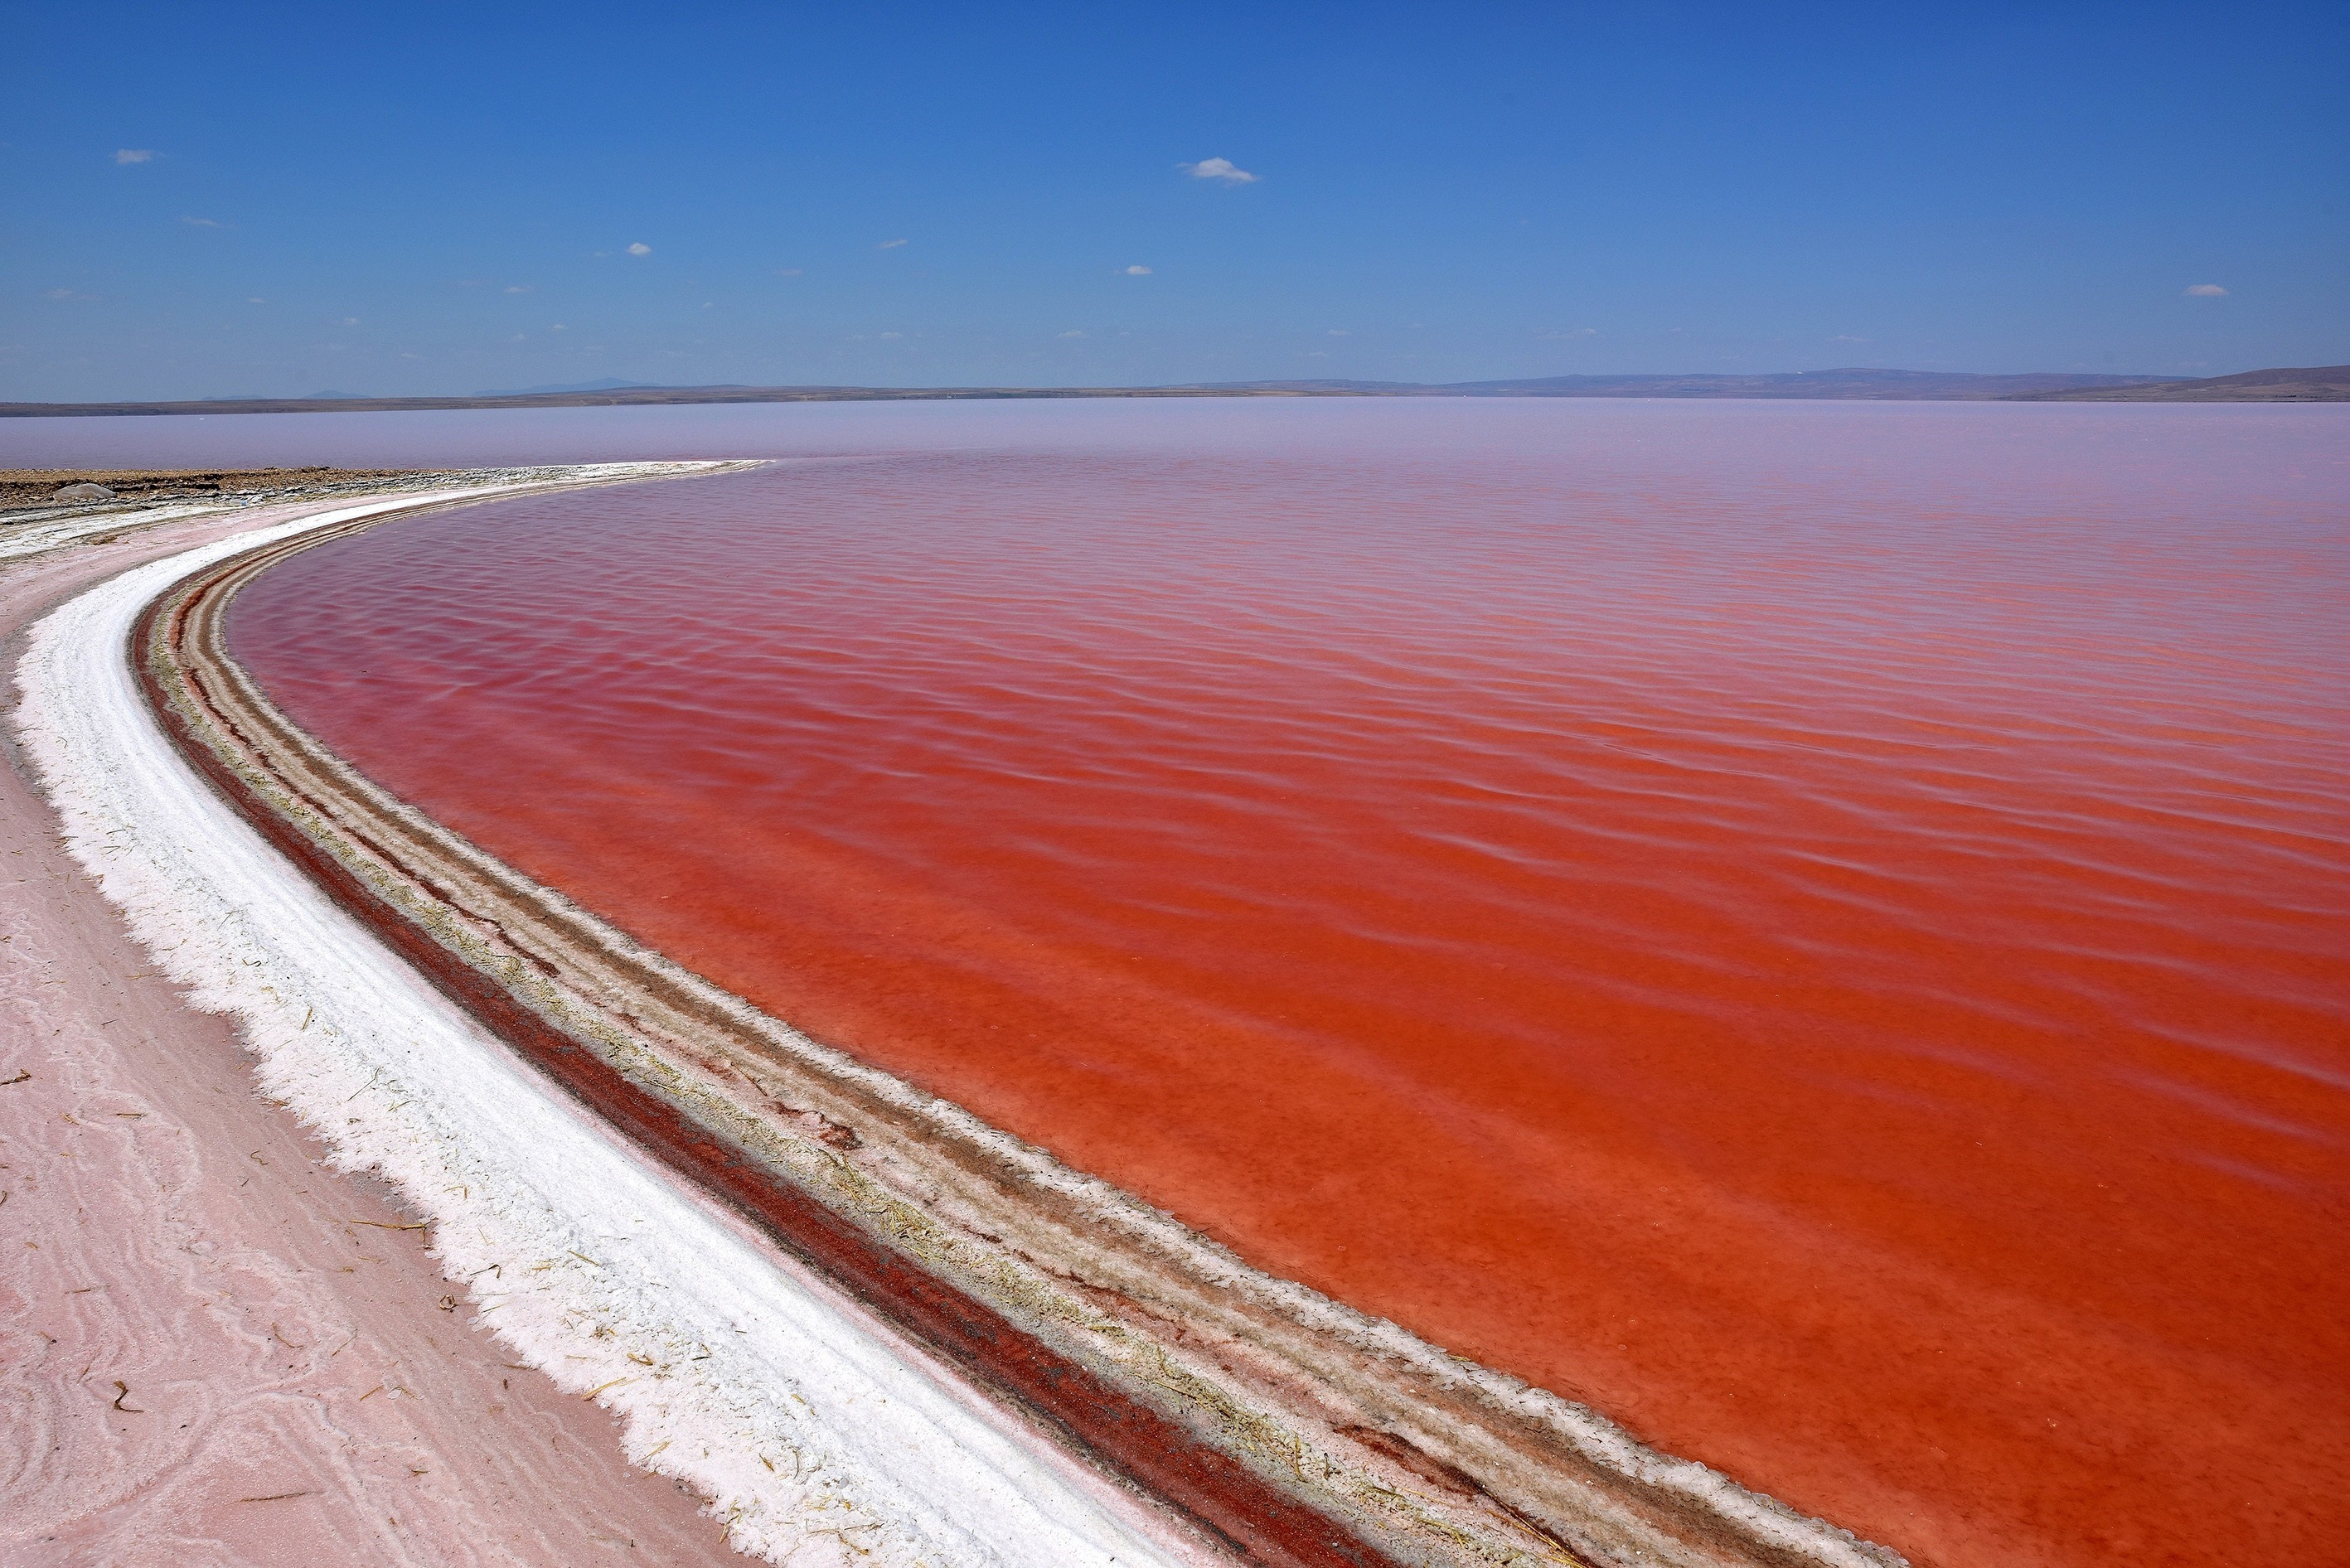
2305,385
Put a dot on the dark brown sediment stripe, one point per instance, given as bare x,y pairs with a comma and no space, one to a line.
1276,1422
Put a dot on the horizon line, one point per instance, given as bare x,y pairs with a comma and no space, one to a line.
2293,384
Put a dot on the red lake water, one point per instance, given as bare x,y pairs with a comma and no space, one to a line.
1817,929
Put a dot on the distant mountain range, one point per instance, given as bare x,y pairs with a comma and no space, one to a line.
609,384
2321,384
2317,384
1937,385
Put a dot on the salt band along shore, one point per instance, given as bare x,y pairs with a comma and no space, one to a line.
865,1324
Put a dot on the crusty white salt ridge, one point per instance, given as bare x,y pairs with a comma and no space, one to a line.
818,1437
43,534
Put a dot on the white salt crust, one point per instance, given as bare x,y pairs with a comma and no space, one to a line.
34,538
817,1437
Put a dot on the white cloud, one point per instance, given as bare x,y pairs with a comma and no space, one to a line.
1138,272
641,249
1217,169
254,299
204,223
347,321
889,244
1564,337
558,327
1846,338
521,288
891,337
134,154
1073,332
66,293
1340,332
2206,291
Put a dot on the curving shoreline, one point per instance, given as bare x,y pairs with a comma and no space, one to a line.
1256,1408
621,1287
298,1389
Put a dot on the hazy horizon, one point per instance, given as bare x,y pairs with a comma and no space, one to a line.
619,384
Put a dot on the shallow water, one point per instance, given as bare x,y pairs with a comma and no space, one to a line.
1816,929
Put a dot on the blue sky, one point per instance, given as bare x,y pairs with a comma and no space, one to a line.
279,199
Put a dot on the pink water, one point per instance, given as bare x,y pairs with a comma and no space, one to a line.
1816,929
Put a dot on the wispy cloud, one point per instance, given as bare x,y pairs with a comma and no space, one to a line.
1221,168
66,293
2206,291
1138,272
641,249
521,288
254,299
1073,332
206,222
1846,338
891,337
134,154
1562,337
889,244
347,321
1340,332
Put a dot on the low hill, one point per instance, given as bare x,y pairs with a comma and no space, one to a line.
2311,384
625,396
1933,385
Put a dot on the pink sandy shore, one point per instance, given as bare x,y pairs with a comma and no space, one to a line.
214,1348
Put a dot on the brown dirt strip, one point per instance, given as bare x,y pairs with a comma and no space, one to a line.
27,487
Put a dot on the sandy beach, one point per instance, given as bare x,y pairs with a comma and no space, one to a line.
220,1348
